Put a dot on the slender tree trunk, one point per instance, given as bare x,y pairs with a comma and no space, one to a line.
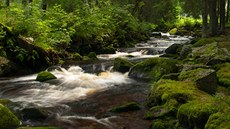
205,18
213,17
227,14
44,5
222,16
7,3
24,2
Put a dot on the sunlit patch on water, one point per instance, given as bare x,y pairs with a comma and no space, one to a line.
71,85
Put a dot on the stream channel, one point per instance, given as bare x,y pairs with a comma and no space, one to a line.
83,93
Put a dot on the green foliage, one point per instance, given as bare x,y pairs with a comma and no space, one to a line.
131,106
223,75
45,76
7,119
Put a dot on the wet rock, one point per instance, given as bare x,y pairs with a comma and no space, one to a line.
132,106
40,127
174,49
205,79
185,51
7,119
195,114
122,65
153,69
223,75
45,76
34,114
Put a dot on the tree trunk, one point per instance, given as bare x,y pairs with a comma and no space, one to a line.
205,18
213,17
24,2
222,16
227,14
7,3
44,5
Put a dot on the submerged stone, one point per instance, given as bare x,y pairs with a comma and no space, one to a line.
132,106
122,65
45,76
34,114
7,119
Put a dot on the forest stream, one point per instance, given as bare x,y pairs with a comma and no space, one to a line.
83,94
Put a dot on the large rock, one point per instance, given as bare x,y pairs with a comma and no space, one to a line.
195,114
219,120
122,65
7,119
34,114
174,49
153,69
223,75
45,76
211,54
205,79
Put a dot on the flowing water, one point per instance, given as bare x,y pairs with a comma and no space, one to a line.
83,94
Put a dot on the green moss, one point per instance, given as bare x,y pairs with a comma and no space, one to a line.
45,76
122,65
7,119
219,120
223,75
173,31
77,57
92,55
154,68
203,41
5,101
192,75
168,123
195,113
132,106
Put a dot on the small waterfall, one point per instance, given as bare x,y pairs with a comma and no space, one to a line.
71,85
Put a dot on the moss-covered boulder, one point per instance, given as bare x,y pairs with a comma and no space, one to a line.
122,65
7,119
205,79
195,114
211,54
131,106
219,120
165,90
153,69
45,76
92,55
223,75
34,114
167,123
5,66
203,41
